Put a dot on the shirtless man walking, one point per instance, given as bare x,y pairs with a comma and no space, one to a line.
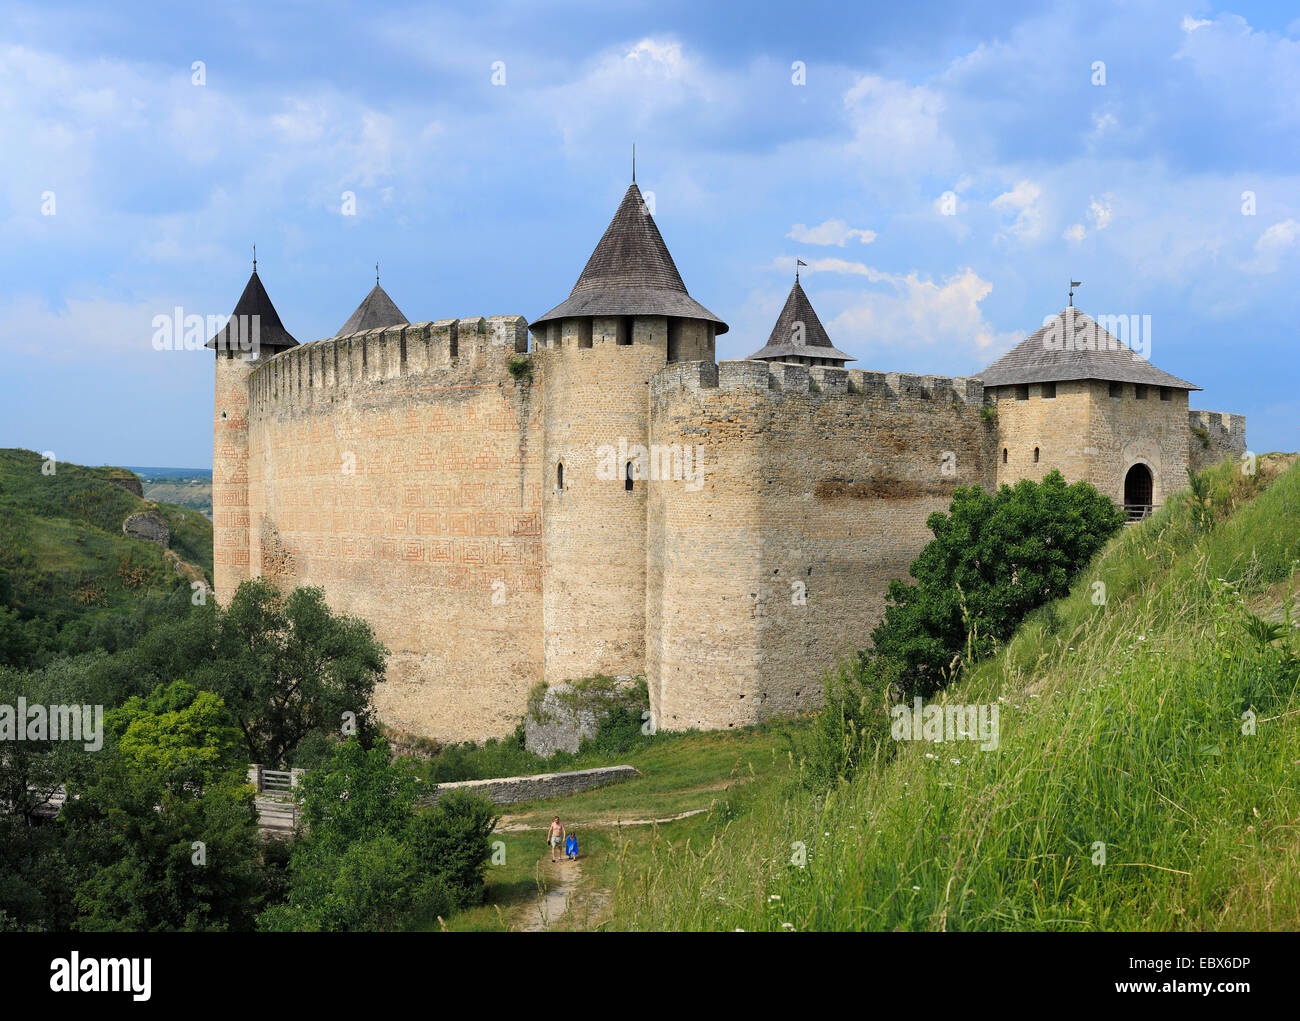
555,836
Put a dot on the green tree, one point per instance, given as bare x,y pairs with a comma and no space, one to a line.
452,838
288,667
163,833
369,860
993,559
178,733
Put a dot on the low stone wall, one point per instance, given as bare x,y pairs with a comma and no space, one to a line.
509,790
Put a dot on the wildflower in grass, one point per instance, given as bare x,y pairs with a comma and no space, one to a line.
787,925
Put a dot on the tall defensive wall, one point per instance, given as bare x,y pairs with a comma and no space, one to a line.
816,486
399,470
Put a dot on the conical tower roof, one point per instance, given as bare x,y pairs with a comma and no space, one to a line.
785,341
376,310
255,302
1072,345
631,273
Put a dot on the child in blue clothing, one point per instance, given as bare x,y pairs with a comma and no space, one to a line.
571,846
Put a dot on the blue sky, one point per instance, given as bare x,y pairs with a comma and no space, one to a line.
482,199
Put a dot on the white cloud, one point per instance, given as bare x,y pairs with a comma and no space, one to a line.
1191,24
1023,200
86,330
1100,212
1275,242
896,126
832,232
1075,232
911,310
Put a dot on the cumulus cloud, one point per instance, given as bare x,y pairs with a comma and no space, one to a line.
897,126
1272,245
832,232
910,310
1100,212
1023,201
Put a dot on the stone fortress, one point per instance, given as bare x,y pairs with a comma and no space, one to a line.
614,500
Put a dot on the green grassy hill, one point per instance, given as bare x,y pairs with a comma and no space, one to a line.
1156,730
63,554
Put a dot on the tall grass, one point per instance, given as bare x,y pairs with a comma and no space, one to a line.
1121,734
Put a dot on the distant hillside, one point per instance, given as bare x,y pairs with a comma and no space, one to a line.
194,493
63,553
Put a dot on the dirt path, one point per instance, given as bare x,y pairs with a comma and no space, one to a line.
509,825
551,906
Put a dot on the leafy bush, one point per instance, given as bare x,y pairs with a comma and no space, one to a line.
993,559
368,860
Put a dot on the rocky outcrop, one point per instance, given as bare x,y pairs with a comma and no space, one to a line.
567,713
149,526
127,480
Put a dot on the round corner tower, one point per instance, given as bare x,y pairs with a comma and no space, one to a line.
627,317
253,334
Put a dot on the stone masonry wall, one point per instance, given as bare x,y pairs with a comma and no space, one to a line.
1212,436
394,469
510,790
817,484
1092,436
230,553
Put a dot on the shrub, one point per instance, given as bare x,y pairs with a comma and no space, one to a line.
994,558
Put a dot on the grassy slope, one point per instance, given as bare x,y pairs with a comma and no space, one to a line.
680,773
61,541
1120,724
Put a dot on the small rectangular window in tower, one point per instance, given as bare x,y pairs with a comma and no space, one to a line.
1022,392
1139,391
1049,391
584,333
1165,393
1035,455
1117,389
624,331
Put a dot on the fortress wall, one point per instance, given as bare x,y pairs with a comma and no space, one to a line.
393,468
230,541
596,374
704,548
816,488
1057,426
1212,436
1124,430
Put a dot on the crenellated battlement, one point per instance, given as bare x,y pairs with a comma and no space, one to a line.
1219,423
449,348
782,378
1212,436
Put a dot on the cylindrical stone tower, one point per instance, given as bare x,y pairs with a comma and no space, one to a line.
254,333
627,317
